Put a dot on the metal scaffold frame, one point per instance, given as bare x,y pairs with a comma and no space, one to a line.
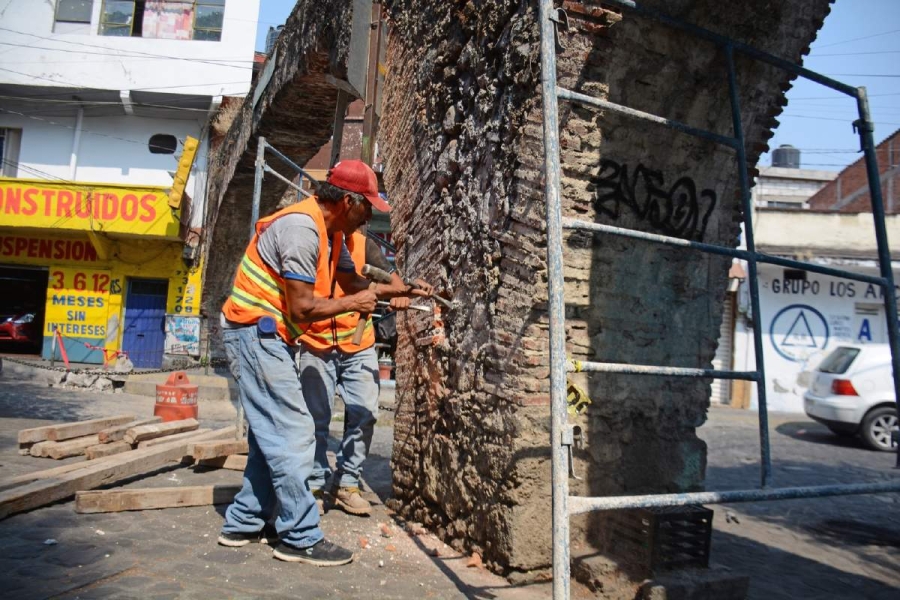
562,435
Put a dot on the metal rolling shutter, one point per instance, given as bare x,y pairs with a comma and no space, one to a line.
721,388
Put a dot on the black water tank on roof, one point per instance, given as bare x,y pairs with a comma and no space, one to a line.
786,156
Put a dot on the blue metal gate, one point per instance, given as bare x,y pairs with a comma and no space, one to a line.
145,318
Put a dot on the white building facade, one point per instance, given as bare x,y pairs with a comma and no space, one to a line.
806,315
97,101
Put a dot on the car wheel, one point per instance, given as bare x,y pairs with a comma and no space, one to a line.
842,433
877,427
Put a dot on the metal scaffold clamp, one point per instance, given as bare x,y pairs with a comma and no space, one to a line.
572,436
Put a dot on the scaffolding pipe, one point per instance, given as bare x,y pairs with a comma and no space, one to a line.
292,165
765,467
865,128
720,250
581,504
721,40
626,369
290,183
571,96
556,305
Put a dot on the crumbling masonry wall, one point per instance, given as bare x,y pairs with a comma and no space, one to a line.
462,137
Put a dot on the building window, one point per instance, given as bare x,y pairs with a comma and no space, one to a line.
163,143
163,19
73,16
10,143
118,18
208,18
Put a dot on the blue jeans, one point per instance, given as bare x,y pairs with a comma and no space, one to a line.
281,439
355,377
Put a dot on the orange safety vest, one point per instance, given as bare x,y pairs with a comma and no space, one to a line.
259,290
338,331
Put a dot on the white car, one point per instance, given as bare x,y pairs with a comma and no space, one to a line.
852,393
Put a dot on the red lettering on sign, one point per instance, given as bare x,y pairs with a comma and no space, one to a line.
110,206
77,254
64,203
147,204
30,203
32,248
48,200
82,207
13,200
46,248
21,245
129,207
7,246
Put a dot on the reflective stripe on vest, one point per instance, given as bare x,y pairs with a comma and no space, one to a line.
338,331
259,291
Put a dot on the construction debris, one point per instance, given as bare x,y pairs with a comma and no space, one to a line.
235,462
73,447
169,438
153,498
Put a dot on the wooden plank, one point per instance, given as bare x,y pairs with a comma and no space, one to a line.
177,436
153,498
67,431
40,449
117,433
97,473
43,474
72,447
25,449
102,450
235,462
207,450
150,432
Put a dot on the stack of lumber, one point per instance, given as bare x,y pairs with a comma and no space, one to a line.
99,437
118,448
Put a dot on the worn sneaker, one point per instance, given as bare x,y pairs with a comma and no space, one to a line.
349,500
268,535
322,554
236,540
319,495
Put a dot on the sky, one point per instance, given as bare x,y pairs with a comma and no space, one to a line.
858,45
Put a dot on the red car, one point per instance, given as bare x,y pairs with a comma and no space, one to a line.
20,329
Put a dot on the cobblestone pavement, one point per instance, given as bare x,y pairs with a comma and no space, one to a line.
841,547
173,553
846,547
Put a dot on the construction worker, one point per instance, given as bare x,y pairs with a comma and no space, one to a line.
283,284
329,361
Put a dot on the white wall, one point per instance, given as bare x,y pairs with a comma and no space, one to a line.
111,150
801,323
125,63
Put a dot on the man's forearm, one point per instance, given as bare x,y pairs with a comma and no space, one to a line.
320,308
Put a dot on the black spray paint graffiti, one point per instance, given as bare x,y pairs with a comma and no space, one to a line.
676,211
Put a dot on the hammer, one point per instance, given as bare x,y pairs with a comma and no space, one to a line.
378,276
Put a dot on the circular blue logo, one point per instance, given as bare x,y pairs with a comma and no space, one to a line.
798,331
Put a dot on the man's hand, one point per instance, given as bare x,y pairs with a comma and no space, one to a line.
363,302
421,288
400,302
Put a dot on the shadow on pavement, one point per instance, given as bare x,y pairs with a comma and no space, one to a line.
806,431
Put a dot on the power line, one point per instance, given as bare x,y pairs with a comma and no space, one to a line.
865,37
854,53
842,97
859,75
831,119
108,49
220,61
59,82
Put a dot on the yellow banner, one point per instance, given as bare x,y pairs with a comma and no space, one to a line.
184,295
77,303
102,207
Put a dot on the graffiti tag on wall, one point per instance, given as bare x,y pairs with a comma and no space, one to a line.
677,210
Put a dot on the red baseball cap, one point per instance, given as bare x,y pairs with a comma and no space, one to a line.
357,176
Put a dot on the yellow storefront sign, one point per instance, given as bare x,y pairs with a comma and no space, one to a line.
84,207
77,303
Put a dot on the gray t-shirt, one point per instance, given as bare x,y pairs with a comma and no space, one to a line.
290,245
